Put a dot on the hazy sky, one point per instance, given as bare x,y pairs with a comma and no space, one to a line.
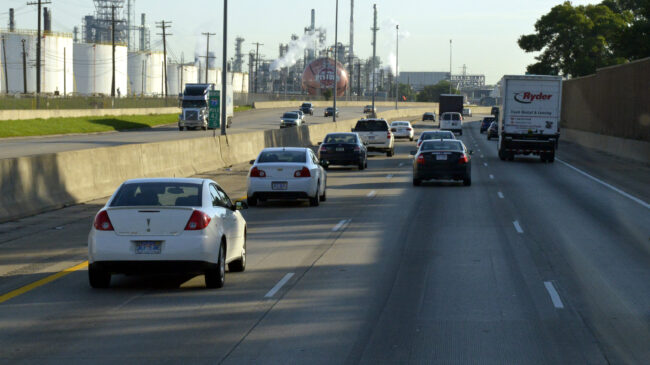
484,33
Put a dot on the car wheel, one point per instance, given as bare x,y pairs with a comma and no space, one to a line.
239,265
361,165
180,128
411,139
365,164
216,277
502,155
417,182
252,201
314,202
97,278
324,196
390,153
467,181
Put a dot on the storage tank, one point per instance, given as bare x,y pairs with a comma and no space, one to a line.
155,74
240,82
145,73
319,75
93,69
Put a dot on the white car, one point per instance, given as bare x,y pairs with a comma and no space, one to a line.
286,173
452,121
290,119
167,225
402,129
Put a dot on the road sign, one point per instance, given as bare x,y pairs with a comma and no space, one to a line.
214,104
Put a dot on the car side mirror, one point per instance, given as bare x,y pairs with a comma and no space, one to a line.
240,205
471,152
252,162
413,153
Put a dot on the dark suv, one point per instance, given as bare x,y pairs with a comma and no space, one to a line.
485,124
307,108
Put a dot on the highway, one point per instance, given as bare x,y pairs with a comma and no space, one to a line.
533,264
246,121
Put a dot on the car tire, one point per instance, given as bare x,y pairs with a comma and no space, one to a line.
98,279
252,201
361,165
416,182
365,164
467,180
411,139
511,156
180,128
390,153
216,277
324,196
315,201
239,265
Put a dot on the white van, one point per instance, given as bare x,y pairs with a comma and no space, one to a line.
452,121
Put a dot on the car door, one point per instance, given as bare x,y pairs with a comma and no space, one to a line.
236,224
223,213
318,169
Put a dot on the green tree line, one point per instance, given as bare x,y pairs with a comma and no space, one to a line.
429,93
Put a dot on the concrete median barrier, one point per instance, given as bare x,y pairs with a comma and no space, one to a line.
34,184
74,113
342,104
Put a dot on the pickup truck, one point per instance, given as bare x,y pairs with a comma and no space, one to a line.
376,135
307,108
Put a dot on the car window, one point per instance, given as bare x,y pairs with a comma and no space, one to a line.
314,159
437,135
442,146
166,194
290,115
340,138
224,198
371,125
399,124
282,156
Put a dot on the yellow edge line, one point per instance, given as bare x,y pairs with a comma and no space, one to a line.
36,284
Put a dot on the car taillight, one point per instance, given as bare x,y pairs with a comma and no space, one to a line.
388,135
102,222
255,172
463,159
198,221
323,149
304,172
409,129
420,160
357,149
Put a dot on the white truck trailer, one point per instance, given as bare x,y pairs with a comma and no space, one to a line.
530,119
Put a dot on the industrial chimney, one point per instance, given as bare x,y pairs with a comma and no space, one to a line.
12,22
142,32
47,20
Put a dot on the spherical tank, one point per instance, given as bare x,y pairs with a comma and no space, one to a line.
319,75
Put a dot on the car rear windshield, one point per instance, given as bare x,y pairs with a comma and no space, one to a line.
400,124
488,119
340,138
166,194
194,104
453,116
437,135
290,115
371,125
306,105
442,146
282,156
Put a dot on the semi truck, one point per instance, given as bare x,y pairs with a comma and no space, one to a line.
530,116
194,104
450,103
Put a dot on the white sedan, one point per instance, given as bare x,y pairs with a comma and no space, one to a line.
286,173
167,225
402,129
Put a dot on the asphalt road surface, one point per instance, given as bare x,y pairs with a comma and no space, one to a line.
246,121
533,264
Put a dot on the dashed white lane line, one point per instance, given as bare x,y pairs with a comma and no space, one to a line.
517,227
389,176
633,198
485,164
482,156
371,194
401,164
279,285
555,297
500,194
491,176
340,225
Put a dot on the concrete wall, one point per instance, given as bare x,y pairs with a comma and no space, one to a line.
621,147
18,114
33,184
614,102
341,103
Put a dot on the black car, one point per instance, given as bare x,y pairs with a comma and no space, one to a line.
442,159
343,149
485,124
429,116
307,108
493,131
330,110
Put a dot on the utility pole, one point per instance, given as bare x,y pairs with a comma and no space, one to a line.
374,56
336,53
164,25
4,55
351,50
207,54
24,67
39,5
113,23
358,80
396,64
450,66
257,60
65,85
224,71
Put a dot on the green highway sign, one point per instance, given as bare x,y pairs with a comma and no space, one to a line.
214,105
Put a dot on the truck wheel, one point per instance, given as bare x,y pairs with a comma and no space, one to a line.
252,201
502,155
551,157
467,180
511,156
416,182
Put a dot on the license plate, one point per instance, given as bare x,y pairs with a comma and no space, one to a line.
371,137
441,157
340,149
148,247
279,185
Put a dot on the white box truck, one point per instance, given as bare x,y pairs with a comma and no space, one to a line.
194,102
530,119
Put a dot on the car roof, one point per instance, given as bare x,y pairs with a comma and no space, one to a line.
436,131
400,121
278,149
342,133
185,180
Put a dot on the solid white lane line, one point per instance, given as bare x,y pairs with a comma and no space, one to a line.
555,297
500,194
518,227
491,176
339,225
485,164
371,194
389,176
279,285
633,198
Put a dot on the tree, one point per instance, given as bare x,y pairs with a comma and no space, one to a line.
432,92
576,40
405,90
633,42
327,94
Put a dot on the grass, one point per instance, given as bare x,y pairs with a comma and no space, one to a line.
241,108
43,127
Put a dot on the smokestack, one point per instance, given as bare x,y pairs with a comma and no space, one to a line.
142,30
313,19
75,31
47,20
12,22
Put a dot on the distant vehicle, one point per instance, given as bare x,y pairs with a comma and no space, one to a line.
194,104
301,114
343,149
485,123
307,108
286,173
530,123
495,111
329,111
169,225
467,112
442,159
376,134
493,131
290,119
427,135
452,121
429,116
402,129
369,109
450,103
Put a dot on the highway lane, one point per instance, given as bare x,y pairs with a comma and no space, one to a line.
381,272
246,121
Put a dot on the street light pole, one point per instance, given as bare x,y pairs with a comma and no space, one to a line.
396,65
336,52
450,66
224,71
374,56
